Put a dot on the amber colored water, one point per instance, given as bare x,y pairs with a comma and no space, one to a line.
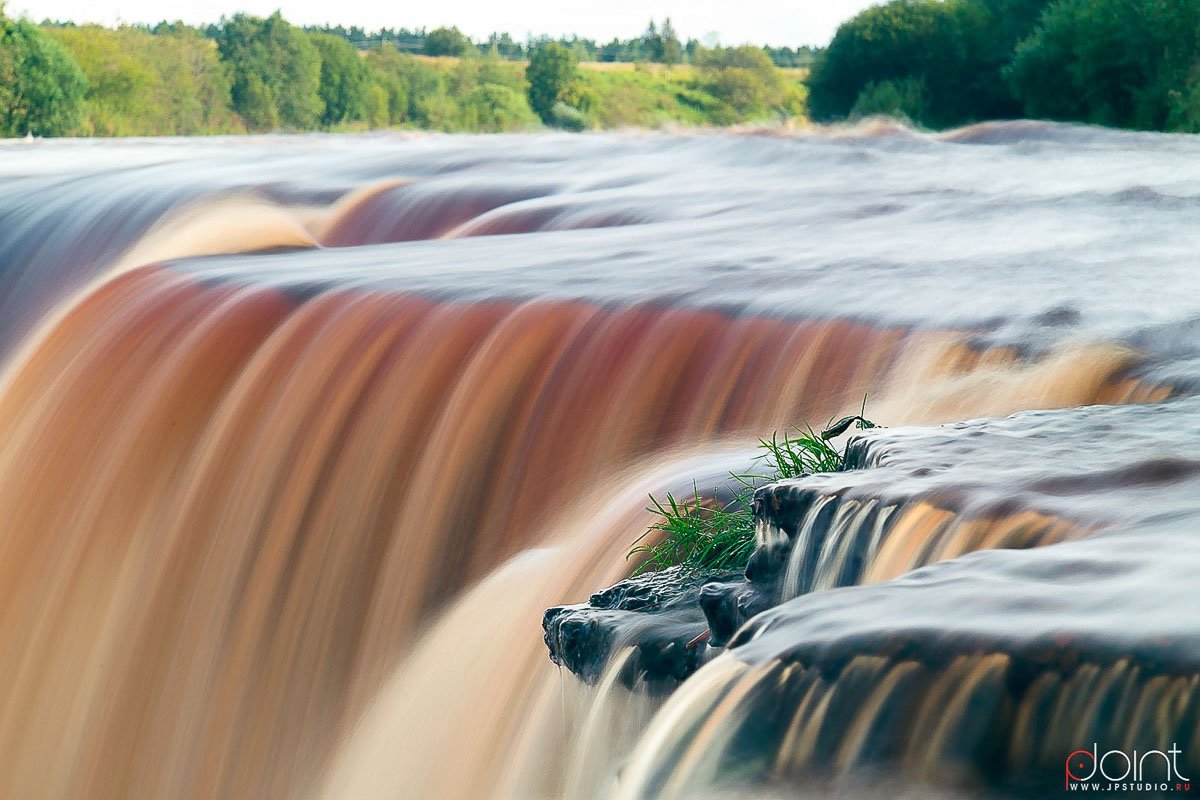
298,437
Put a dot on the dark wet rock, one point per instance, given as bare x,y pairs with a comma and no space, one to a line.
766,564
658,613
676,618
663,614
728,606
650,591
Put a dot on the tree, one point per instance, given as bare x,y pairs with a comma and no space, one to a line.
41,87
652,43
385,65
504,46
551,69
1131,63
193,91
345,86
955,49
275,71
905,40
447,42
413,86
670,51
141,83
8,67
120,83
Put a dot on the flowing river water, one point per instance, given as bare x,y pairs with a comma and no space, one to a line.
299,436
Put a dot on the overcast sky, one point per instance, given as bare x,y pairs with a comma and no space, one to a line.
734,21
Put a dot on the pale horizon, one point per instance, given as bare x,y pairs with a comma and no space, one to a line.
754,21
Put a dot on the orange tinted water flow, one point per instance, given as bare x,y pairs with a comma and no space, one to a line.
230,509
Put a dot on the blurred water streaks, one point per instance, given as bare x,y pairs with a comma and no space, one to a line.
298,436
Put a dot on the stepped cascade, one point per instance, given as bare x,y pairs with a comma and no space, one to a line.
300,437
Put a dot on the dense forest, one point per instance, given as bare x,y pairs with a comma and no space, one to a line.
941,63
936,63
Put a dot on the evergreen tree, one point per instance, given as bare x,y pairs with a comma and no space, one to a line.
670,51
652,43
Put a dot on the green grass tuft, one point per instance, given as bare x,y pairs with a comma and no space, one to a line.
705,533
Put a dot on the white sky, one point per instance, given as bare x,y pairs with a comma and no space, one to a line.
776,22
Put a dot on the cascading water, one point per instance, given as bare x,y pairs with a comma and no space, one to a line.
299,437
927,675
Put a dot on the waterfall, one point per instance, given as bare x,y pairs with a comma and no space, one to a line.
298,442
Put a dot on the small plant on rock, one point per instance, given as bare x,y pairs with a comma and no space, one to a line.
706,532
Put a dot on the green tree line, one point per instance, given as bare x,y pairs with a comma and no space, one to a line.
941,63
658,44
253,74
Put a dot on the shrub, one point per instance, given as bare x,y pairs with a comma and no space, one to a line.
379,107
903,99
494,108
568,117
743,80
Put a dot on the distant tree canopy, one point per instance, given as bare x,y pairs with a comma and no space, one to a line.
275,71
387,67
941,60
1129,63
345,86
661,45
552,68
447,42
41,86
140,83
802,56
